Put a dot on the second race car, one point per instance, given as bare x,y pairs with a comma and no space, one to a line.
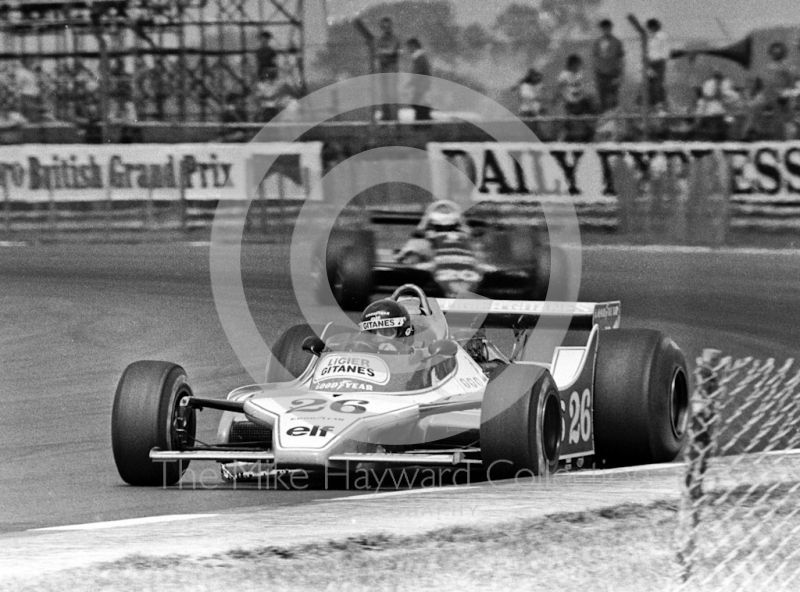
447,254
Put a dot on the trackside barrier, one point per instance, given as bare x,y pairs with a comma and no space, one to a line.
673,192
739,519
668,193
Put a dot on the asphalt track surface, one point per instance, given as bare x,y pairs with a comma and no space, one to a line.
73,316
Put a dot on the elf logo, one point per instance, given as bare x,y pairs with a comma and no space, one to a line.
321,431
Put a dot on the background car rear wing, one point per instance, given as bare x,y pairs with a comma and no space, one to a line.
413,218
522,314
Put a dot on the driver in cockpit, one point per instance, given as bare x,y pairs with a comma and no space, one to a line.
442,218
390,323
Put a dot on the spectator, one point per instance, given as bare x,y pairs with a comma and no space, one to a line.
86,95
530,94
609,66
122,107
657,55
716,98
28,91
267,99
421,66
780,76
233,110
266,58
48,82
778,85
571,83
8,99
575,100
387,50
157,87
752,129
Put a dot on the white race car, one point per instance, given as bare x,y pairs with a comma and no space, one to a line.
442,394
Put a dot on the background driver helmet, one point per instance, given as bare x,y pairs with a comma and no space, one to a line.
444,217
386,318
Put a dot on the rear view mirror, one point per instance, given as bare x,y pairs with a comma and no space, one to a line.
313,345
443,347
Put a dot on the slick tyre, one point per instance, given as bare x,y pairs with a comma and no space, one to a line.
641,398
352,279
332,253
288,360
149,411
520,423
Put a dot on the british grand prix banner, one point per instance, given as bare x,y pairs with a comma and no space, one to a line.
62,173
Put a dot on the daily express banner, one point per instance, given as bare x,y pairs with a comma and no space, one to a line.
758,172
42,173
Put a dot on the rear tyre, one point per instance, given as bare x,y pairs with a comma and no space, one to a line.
520,423
288,360
641,398
351,282
150,411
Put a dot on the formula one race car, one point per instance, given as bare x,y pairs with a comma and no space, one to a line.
446,254
417,386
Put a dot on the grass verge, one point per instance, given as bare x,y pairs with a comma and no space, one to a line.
624,548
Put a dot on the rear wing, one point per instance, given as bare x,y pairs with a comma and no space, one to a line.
411,218
524,314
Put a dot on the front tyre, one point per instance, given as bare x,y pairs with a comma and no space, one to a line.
150,411
288,360
520,423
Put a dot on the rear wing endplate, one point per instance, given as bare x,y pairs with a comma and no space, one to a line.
524,314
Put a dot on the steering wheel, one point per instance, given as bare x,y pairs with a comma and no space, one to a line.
415,291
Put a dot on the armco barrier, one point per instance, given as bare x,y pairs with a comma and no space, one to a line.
740,515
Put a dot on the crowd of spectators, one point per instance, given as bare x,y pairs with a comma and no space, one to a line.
572,109
583,102
143,88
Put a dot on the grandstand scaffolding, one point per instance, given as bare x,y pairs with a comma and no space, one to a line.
170,60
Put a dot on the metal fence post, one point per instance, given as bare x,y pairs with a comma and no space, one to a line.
52,218
645,94
698,452
148,209
6,207
182,197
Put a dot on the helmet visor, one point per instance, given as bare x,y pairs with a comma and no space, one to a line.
386,332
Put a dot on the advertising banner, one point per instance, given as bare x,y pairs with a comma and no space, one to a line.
757,173
62,173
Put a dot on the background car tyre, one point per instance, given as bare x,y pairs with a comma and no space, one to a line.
332,252
520,423
148,413
352,279
641,398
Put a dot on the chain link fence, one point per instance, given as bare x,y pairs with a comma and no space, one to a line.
739,524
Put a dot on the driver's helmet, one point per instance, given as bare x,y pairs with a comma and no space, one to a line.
443,216
386,318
